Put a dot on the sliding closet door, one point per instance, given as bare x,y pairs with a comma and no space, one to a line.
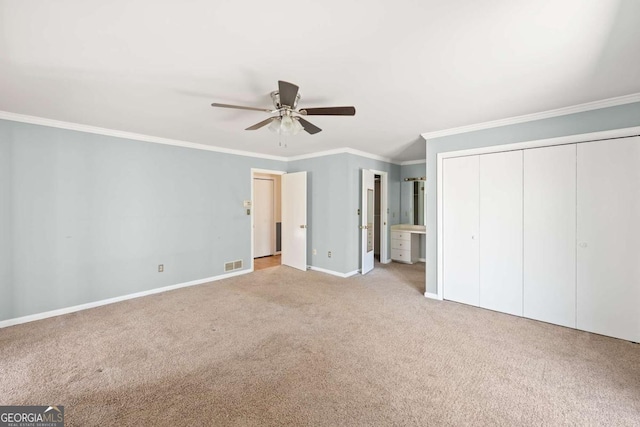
460,221
609,238
501,232
550,234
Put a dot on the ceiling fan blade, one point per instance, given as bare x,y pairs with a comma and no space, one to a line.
309,127
239,107
287,92
329,111
261,124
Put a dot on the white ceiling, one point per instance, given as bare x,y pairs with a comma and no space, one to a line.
408,66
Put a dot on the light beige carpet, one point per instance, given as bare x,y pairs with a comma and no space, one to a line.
283,347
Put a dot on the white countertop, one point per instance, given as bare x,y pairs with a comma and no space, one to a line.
410,228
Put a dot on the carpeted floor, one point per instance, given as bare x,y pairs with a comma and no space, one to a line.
284,347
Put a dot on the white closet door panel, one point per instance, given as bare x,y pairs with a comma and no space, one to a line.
501,232
550,234
609,238
460,227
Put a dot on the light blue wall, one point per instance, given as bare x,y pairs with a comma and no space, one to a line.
413,171
6,254
87,217
354,180
326,209
334,185
618,117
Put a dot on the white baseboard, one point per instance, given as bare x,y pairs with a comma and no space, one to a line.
67,310
432,296
387,261
422,259
333,273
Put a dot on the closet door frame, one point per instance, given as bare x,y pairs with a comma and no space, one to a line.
571,139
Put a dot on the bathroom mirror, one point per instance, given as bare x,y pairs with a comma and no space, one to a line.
412,201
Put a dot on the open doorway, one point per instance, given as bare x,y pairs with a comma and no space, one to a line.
267,220
373,220
280,220
377,219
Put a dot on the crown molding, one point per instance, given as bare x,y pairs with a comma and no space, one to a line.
129,135
343,150
595,105
413,162
6,115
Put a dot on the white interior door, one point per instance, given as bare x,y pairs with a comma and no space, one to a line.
294,220
461,229
263,221
501,232
608,295
550,234
367,227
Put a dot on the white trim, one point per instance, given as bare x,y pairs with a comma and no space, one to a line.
384,205
5,115
318,154
23,118
67,310
343,150
267,171
255,171
422,260
432,296
386,261
595,105
562,140
333,273
413,162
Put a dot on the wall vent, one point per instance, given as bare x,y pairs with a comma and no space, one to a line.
232,265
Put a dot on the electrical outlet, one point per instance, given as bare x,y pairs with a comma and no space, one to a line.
315,252
329,254
160,268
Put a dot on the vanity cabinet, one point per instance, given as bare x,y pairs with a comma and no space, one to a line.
405,246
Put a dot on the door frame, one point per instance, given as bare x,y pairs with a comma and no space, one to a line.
367,212
253,172
571,139
384,216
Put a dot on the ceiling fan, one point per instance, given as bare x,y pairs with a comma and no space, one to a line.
288,120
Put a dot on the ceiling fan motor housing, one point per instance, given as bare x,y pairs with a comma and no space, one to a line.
275,96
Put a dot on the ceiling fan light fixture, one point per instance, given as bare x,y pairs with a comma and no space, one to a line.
275,125
286,125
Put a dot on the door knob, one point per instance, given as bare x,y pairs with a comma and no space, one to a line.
303,226
583,244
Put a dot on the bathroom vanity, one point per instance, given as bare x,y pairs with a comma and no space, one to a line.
405,242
